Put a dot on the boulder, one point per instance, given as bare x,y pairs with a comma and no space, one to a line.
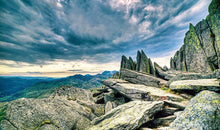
127,116
140,92
141,78
54,113
202,113
193,76
67,108
196,85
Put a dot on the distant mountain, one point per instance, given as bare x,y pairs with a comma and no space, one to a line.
44,88
10,85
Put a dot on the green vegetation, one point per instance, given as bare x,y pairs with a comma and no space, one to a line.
3,108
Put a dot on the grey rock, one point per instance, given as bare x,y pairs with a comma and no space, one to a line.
196,85
127,116
201,49
164,121
140,92
35,113
161,73
202,113
141,78
109,106
179,105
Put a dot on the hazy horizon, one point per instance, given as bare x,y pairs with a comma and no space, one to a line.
60,38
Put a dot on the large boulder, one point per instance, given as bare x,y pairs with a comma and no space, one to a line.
141,78
202,113
67,108
23,114
127,116
196,85
139,92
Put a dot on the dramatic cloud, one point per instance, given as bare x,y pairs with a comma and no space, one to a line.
39,33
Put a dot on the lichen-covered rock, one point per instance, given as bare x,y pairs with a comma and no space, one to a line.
161,73
127,116
202,113
141,78
71,93
196,85
201,49
109,106
127,63
24,114
67,108
194,76
140,92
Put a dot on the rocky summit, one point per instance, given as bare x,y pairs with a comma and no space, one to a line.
142,96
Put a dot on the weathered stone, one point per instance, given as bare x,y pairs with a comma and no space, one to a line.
161,73
208,43
196,85
141,78
168,111
193,76
140,92
202,113
127,116
178,113
172,65
67,108
109,106
201,49
132,64
35,113
178,105
214,23
71,93
144,64
164,121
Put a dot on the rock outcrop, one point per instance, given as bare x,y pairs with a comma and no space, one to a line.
63,110
144,64
201,49
196,85
128,116
140,92
141,78
202,113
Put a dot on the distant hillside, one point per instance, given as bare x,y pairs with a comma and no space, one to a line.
45,88
11,85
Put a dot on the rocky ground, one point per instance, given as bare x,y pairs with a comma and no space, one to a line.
141,96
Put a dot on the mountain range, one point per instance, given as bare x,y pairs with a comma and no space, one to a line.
12,88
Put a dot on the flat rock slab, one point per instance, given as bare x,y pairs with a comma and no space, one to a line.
196,85
128,116
141,78
140,92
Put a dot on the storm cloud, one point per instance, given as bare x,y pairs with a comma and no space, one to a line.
37,31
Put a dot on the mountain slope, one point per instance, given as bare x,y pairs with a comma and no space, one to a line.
45,88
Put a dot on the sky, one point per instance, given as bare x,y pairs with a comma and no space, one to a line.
58,38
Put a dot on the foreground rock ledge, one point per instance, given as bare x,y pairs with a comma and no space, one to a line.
196,85
127,116
202,113
140,92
